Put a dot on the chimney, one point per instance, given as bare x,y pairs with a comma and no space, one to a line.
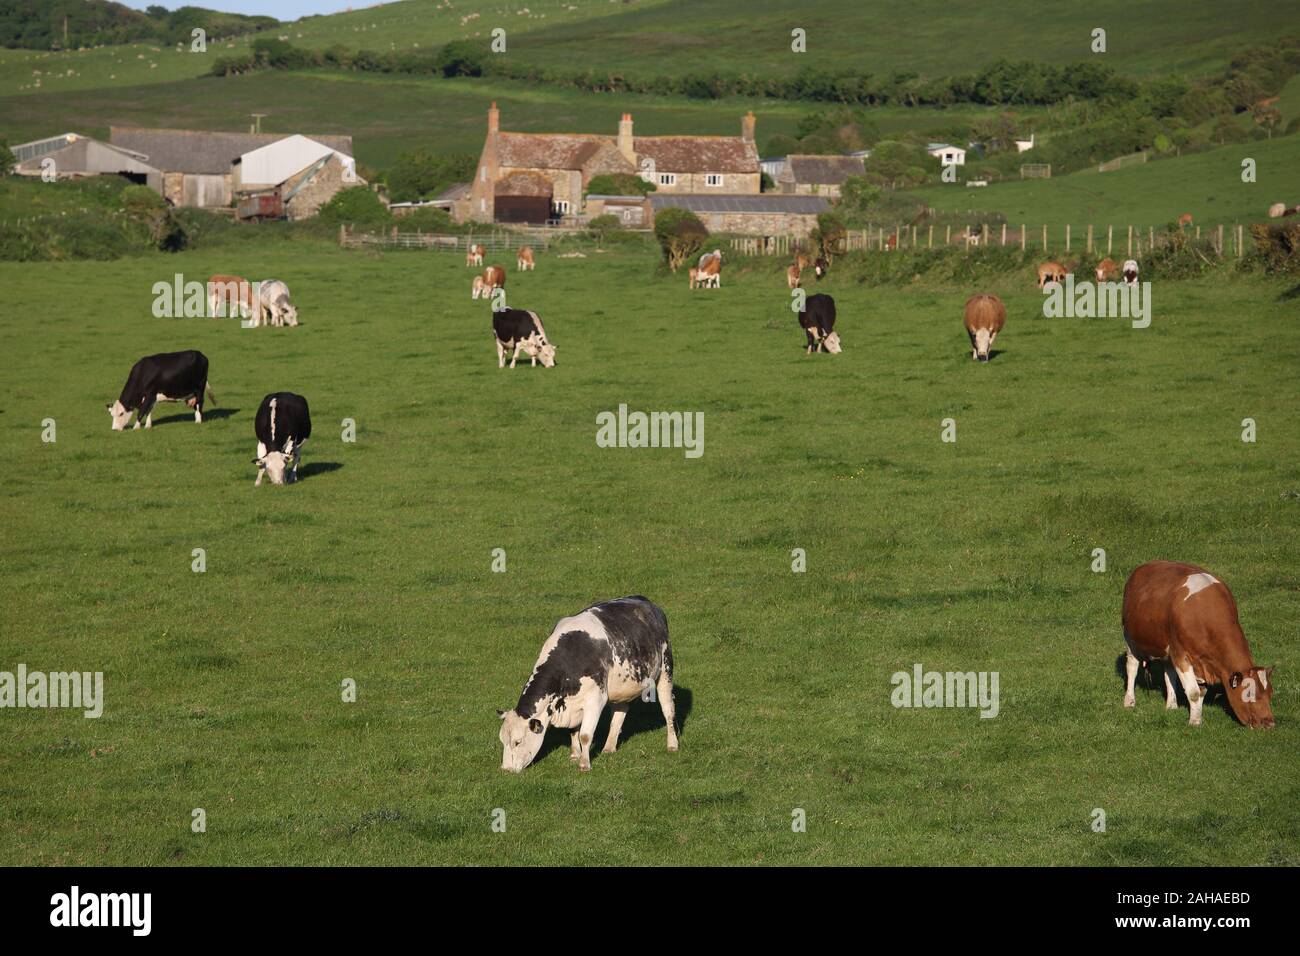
625,138
494,118
747,127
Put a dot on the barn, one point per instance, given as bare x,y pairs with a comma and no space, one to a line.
73,156
767,214
818,175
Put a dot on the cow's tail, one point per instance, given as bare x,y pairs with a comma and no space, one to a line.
208,389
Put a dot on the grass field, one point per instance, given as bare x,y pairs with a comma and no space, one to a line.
223,688
1208,185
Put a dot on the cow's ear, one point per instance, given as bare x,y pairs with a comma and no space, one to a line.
501,714
1235,680
535,725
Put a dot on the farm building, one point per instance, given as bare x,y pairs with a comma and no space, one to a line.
72,156
633,212
947,153
519,172
818,175
768,214
198,166
774,166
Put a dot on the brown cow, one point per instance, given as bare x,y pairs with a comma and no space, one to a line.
494,277
525,259
1184,220
474,257
1185,616
225,291
1050,272
803,261
985,316
1107,270
792,277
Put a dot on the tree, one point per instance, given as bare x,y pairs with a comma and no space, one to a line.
462,58
680,234
7,160
421,174
618,184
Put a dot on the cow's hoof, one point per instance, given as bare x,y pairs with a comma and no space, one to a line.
1129,702
672,748
584,767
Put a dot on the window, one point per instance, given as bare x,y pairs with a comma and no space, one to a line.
713,179
667,179
561,207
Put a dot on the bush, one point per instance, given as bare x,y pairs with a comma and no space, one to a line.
422,175
618,184
461,58
358,206
680,235
1277,247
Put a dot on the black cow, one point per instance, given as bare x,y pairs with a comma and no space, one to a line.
165,377
282,425
522,331
611,653
818,322
821,267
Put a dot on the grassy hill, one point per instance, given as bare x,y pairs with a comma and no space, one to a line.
1208,185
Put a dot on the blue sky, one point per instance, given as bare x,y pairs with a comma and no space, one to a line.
280,9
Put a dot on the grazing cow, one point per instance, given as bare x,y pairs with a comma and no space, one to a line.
611,653
525,260
1277,210
282,425
478,288
1050,272
494,277
891,242
793,276
985,316
820,268
521,331
1184,220
225,291
818,322
699,279
1185,616
274,306
710,268
165,377
1107,270
803,261
1130,272
474,255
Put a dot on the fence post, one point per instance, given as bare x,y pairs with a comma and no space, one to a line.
1044,237
343,234
1004,235
1089,238
1130,242
1220,240
1241,240
1067,237
930,241
1151,238
947,236
914,237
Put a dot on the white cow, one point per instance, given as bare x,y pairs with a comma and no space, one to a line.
1130,271
274,305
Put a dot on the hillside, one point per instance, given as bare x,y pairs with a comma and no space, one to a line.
72,24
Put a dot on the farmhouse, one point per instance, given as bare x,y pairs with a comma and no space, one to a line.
818,175
947,154
206,168
73,156
768,214
532,177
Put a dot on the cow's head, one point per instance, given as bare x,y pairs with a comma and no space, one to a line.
832,343
521,738
983,338
288,312
121,415
276,463
1250,695
546,355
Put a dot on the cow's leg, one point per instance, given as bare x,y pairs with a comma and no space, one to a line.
1171,698
665,691
501,354
575,751
590,717
514,358
1195,693
617,713
1131,671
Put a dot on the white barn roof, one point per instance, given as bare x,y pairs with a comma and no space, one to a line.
274,163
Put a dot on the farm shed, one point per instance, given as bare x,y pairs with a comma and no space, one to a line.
197,165
75,157
273,163
947,153
632,211
818,175
523,197
769,214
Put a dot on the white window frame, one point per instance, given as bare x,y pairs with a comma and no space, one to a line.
710,177
560,206
667,179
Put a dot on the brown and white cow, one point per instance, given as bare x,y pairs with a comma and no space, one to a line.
1185,616
710,268
793,276
477,287
985,316
1184,220
494,277
1107,270
1050,272
474,256
525,261
1277,210
225,291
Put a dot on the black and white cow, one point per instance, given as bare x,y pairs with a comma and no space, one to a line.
165,377
821,267
818,322
521,331
282,425
610,653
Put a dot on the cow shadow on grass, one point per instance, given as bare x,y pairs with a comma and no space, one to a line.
1152,678
642,717
310,468
210,415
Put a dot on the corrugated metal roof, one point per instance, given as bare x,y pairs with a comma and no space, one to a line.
760,203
